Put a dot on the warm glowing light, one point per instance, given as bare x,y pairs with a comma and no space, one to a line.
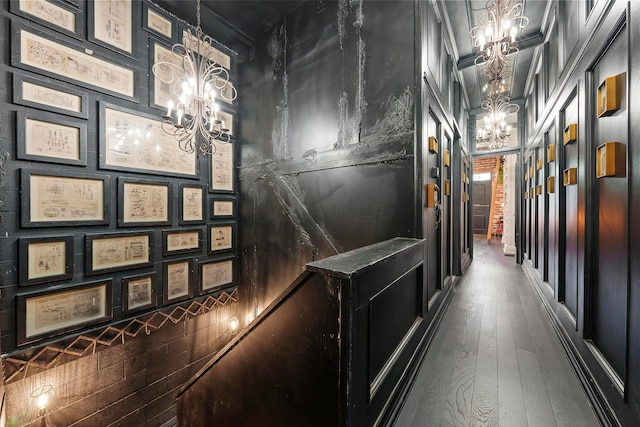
234,323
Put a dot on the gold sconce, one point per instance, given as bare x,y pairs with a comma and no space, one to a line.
609,97
551,185
447,159
433,144
570,176
570,133
610,160
551,153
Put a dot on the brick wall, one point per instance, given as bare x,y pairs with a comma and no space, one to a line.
130,384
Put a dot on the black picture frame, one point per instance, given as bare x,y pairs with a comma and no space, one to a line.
63,214
19,98
43,305
139,207
179,291
218,207
48,254
218,237
78,33
181,247
91,30
208,284
148,7
111,243
55,140
129,294
222,170
153,168
186,202
79,49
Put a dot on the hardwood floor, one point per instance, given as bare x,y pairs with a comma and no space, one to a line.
495,360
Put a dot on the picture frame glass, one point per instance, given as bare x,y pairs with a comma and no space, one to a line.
112,23
214,275
183,241
192,209
221,237
178,274
51,97
61,198
46,259
222,208
139,292
116,252
52,139
145,202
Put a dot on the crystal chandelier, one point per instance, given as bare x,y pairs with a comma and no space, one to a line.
495,36
496,132
195,80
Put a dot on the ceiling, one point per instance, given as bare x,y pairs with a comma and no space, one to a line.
238,23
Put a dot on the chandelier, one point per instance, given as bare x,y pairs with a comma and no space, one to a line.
495,36
195,80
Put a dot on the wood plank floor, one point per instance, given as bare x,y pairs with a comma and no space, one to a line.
495,360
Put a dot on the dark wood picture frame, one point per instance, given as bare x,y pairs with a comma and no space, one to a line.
213,279
52,15
190,203
148,8
54,138
183,245
221,237
127,246
112,27
53,208
105,144
132,290
50,257
78,49
219,207
128,209
92,300
172,273
19,96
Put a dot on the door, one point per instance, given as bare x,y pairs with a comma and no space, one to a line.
481,206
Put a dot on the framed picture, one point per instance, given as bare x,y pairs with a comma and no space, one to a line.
156,22
111,25
54,56
175,242
221,237
106,253
52,14
215,275
192,204
134,141
216,53
222,168
46,95
222,207
47,137
50,313
161,90
139,293
143,202
177,279
45,259
54,199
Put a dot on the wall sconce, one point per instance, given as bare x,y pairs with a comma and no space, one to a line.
42,401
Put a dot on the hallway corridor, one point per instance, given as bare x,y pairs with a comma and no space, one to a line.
495,360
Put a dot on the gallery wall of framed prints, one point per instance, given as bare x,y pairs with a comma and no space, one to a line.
106,218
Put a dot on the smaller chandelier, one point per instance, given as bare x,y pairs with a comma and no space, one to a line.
195,80
495,36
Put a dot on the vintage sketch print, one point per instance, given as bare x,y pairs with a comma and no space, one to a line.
139,292
192,204
51,97
222,208
163,92
64,309
59,198
183,241
46,259
159,24
136,142
50,13
52,140
119,251
221,238
52,57
145,202
216,274
222,167
112,23
178,280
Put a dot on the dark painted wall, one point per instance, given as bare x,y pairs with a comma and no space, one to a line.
327,140
592,282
